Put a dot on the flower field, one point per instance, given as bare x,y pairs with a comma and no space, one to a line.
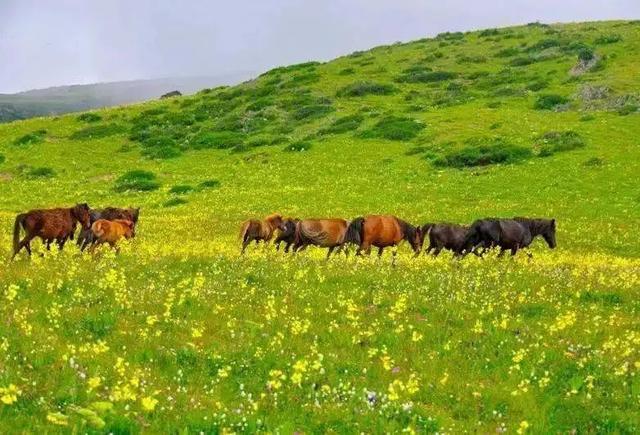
178,333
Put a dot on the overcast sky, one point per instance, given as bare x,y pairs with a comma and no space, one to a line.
45,43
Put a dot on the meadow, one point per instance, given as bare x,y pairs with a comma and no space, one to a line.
179,333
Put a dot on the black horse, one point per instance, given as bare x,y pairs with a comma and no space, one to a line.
445,236
509,234
287,233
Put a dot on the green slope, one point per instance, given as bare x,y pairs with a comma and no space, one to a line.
533,120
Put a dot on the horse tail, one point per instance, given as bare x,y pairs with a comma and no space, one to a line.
354,231
471,239
16,230
426,229
244,229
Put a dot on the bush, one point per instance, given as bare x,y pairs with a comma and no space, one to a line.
174,202
89,117
298,146
137,180
31,138
215,140
98,131
181,189
162,152
395,128
559,141
427,76
522,61
627,109
312,111
537,85
549,101
507,52
347,71
43,172
608,39
344,124
489,32
585,54
482,152
2,158
361,89
209,184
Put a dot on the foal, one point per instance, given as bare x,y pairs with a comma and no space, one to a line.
257,230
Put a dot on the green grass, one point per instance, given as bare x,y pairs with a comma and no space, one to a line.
275,343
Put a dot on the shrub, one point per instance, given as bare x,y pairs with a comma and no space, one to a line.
587,117
488,32
31,138
608,39
395,128
427,76
344,124
181,189
360,89
482,152
585,54
559,141
312,111
298,146
43,172
522,61
2,158
89,117
174,202
216,140
537,85
451,35
347,71
550,101
627,109
507,52
209,184
98,131
162,152
137,180
545,44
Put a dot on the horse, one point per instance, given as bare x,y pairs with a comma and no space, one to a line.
111,231
257,230
86,237
57,224
509,234
326,233
381,232
287,233
445,236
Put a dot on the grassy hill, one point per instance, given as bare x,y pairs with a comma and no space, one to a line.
75,98
180,333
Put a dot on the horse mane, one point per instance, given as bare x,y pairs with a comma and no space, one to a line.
408,230
535,226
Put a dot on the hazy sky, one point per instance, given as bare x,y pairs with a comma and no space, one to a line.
56,42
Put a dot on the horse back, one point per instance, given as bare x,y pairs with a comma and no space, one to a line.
322,232
382,230
49,223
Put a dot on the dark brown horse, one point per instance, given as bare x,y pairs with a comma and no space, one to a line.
86,236
326,233
445,236
287,233
509,234
381,232
49,224
257,230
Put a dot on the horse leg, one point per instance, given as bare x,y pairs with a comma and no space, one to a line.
245,243
330,251
514,250
393,257
286,247
61,243
380,249
502,250
24,243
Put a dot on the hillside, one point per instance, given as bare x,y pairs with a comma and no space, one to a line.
64,99
178,332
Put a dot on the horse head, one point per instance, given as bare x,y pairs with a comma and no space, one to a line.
82,213
549,233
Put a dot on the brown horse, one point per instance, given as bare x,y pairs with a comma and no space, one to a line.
287,233
86,237
254,229
56,224
381,232
107,231
326,233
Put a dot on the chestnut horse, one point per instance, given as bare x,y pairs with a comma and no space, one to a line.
111,231
254,229
86,236
287,233
381,232
326,233
56,224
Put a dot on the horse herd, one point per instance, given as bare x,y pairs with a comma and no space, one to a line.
58,225
111,224
384,231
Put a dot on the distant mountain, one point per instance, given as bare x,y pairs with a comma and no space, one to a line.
74,98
